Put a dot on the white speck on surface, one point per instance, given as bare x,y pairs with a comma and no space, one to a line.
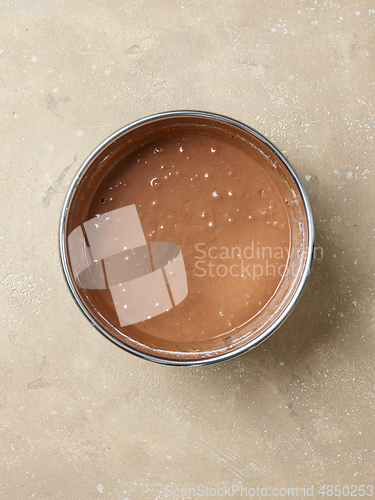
357,13
349,175
354,303
55,90
80,133
314,23
100,488
34,59
107,71
336,172
93,66
29,223
307,177
48,146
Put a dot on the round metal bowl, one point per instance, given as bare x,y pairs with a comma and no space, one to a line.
75,250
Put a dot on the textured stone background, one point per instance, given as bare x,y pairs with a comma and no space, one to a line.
81,419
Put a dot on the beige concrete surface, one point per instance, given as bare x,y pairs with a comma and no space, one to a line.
80,418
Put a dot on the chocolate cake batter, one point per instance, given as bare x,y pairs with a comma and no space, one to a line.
228,215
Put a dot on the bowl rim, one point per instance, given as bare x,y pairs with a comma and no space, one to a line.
289,306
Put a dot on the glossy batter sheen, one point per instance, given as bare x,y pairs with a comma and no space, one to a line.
229,218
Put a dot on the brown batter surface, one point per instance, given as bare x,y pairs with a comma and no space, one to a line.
230,220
